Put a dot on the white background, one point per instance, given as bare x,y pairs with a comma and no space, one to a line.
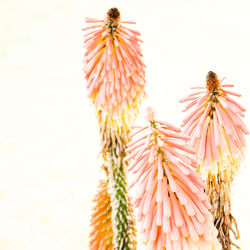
49,141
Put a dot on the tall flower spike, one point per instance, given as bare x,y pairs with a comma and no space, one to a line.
218,136
114,69
115,82
169,194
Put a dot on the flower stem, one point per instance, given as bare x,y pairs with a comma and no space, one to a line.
218,189
114,143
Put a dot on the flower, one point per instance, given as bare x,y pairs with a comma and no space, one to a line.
218,136
168,194
114,69
215,126
101,235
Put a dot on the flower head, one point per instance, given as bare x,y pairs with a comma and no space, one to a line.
169,194
114,69
215,125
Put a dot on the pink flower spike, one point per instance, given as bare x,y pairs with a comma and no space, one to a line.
113,69
225,119
220,142
169,194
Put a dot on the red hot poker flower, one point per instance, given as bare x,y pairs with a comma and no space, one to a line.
169,194
114,69
215,125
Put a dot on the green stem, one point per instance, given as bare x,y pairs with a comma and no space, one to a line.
123,227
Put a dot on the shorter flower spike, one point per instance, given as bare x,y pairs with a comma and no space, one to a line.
101,235
114,69
169,194
215,126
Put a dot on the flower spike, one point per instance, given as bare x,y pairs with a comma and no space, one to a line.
217,133
115,77
169,194
114,69
215,125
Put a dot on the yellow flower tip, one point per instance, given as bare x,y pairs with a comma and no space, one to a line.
213,82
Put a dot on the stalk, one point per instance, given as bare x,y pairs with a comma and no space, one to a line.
114,144
219,192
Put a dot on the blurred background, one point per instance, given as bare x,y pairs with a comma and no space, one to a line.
49,138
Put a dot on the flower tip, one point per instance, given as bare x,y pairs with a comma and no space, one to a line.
113,13
150,114
213,82
113,18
